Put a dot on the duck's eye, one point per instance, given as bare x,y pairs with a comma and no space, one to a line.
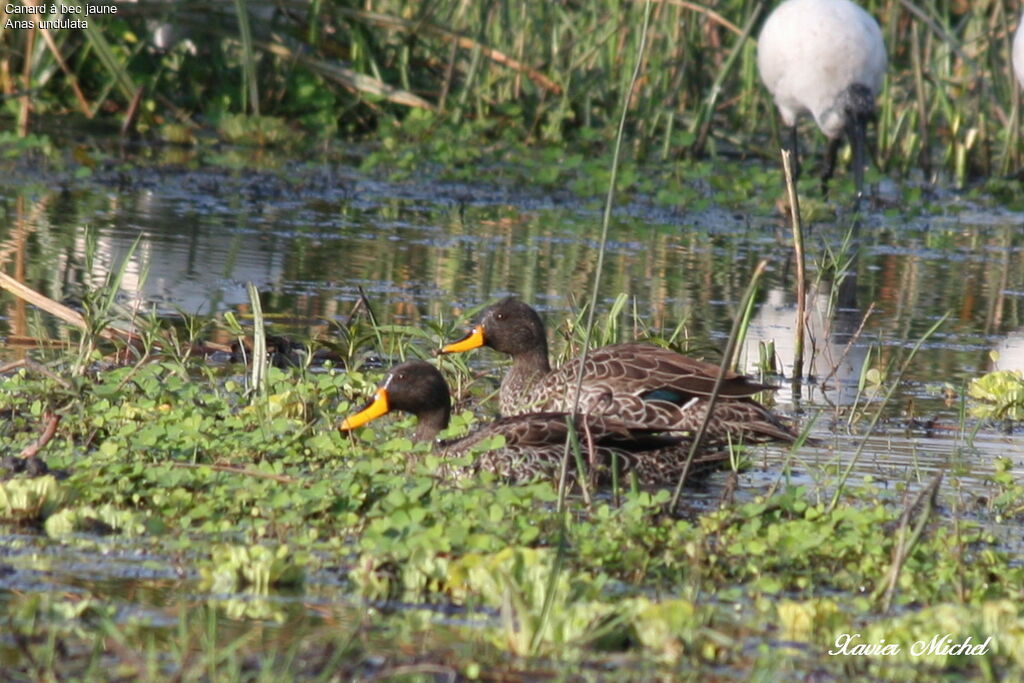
500,316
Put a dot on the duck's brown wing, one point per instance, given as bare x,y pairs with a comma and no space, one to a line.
540,429
645,371
532,446
735,421
662,390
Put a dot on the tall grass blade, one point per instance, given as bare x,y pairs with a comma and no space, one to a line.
98,41
801,285
702,124
250,90
605,223
25,102
259,343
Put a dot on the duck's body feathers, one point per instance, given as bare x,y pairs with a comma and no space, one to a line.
640,383
533,444
651,386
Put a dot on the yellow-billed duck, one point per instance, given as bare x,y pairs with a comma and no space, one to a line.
533,442
640,383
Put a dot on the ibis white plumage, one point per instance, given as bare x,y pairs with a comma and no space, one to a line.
1018,52
825,57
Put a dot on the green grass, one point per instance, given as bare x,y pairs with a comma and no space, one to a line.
254,499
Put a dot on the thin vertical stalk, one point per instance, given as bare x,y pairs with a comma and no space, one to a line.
727,355
886,590
471,75
250,92
606,221
259,343
1011,149
25,105
922,108
313,22
801,275
117,68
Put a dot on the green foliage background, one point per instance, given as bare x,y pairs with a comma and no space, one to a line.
533,71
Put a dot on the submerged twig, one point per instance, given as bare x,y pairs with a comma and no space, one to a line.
849,345
349,78
362,304
231,469
49,430
35,366
878,414
55,308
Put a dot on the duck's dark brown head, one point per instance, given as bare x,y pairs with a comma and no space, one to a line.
509,327
415,387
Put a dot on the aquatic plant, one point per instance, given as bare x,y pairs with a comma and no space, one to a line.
230,497
1007,504
256,567
516,581
31,499
105,519
999,395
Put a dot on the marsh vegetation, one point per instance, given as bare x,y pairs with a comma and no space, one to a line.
380,173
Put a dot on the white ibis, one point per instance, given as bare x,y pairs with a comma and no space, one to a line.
825,57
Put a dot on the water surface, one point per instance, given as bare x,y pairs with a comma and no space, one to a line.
312,238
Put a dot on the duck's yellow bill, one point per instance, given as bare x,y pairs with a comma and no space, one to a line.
473,340
378,406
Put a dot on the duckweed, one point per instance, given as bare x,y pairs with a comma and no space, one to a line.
255,501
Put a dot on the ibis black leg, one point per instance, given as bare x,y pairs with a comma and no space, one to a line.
830,164
858,132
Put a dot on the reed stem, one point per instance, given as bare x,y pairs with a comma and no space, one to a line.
801,275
